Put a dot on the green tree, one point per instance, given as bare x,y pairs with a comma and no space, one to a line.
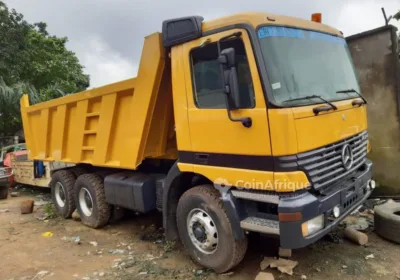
33,61
10,117
50,63
397,15
13,33
28,53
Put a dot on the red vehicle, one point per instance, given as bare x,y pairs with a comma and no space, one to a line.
6,174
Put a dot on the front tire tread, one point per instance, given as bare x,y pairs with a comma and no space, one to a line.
239,246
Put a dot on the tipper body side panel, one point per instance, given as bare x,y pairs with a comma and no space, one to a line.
110,126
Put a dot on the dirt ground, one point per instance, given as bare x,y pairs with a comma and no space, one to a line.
134,248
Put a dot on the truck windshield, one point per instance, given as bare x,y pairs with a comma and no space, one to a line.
302,63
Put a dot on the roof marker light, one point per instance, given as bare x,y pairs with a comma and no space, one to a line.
316,17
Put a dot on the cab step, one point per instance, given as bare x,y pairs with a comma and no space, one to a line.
260,225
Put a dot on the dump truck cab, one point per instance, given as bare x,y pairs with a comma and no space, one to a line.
275,126
251,122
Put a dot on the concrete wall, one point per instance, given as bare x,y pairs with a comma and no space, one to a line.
376,60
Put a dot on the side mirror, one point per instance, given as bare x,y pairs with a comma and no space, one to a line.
227,59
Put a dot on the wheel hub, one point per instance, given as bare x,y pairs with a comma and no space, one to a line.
199,232
85,202
60,194
202,231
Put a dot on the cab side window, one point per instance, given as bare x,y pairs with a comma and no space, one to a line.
207,76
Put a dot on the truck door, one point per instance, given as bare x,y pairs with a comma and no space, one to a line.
218,144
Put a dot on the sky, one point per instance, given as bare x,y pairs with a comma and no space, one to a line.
108,35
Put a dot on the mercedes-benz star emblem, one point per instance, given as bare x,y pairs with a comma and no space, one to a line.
347,156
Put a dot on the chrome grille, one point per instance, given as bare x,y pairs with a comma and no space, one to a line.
324,166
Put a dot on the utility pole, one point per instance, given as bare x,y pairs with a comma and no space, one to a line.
386,18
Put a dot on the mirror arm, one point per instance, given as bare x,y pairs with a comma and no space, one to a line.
246,122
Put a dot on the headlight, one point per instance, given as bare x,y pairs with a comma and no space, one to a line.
372,184
336,211
313,225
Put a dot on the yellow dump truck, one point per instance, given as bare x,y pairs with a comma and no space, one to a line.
251,122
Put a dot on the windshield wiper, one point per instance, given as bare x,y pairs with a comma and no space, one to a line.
311,97
351,90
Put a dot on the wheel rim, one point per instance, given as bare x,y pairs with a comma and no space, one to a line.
86,202
60,194
202,231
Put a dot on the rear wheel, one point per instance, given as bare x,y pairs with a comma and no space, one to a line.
62,192
90,200
78,171
205,230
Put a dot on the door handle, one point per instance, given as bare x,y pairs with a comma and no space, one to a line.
202,157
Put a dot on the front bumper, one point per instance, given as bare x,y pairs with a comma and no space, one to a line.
348,196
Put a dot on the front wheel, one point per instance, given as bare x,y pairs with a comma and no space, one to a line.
90,200
205,230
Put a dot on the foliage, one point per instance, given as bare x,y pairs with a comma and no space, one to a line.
32,61
29,54
51,63
10,117
169,246
13,32
50,211
397,15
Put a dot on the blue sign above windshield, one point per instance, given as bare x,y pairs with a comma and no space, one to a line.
280,31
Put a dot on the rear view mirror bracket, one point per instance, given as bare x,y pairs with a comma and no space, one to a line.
227,60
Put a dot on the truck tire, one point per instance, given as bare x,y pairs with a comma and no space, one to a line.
3,192
90,200
62,192
387,221
78,171
205,230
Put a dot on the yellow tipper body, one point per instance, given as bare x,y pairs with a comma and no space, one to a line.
116,125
